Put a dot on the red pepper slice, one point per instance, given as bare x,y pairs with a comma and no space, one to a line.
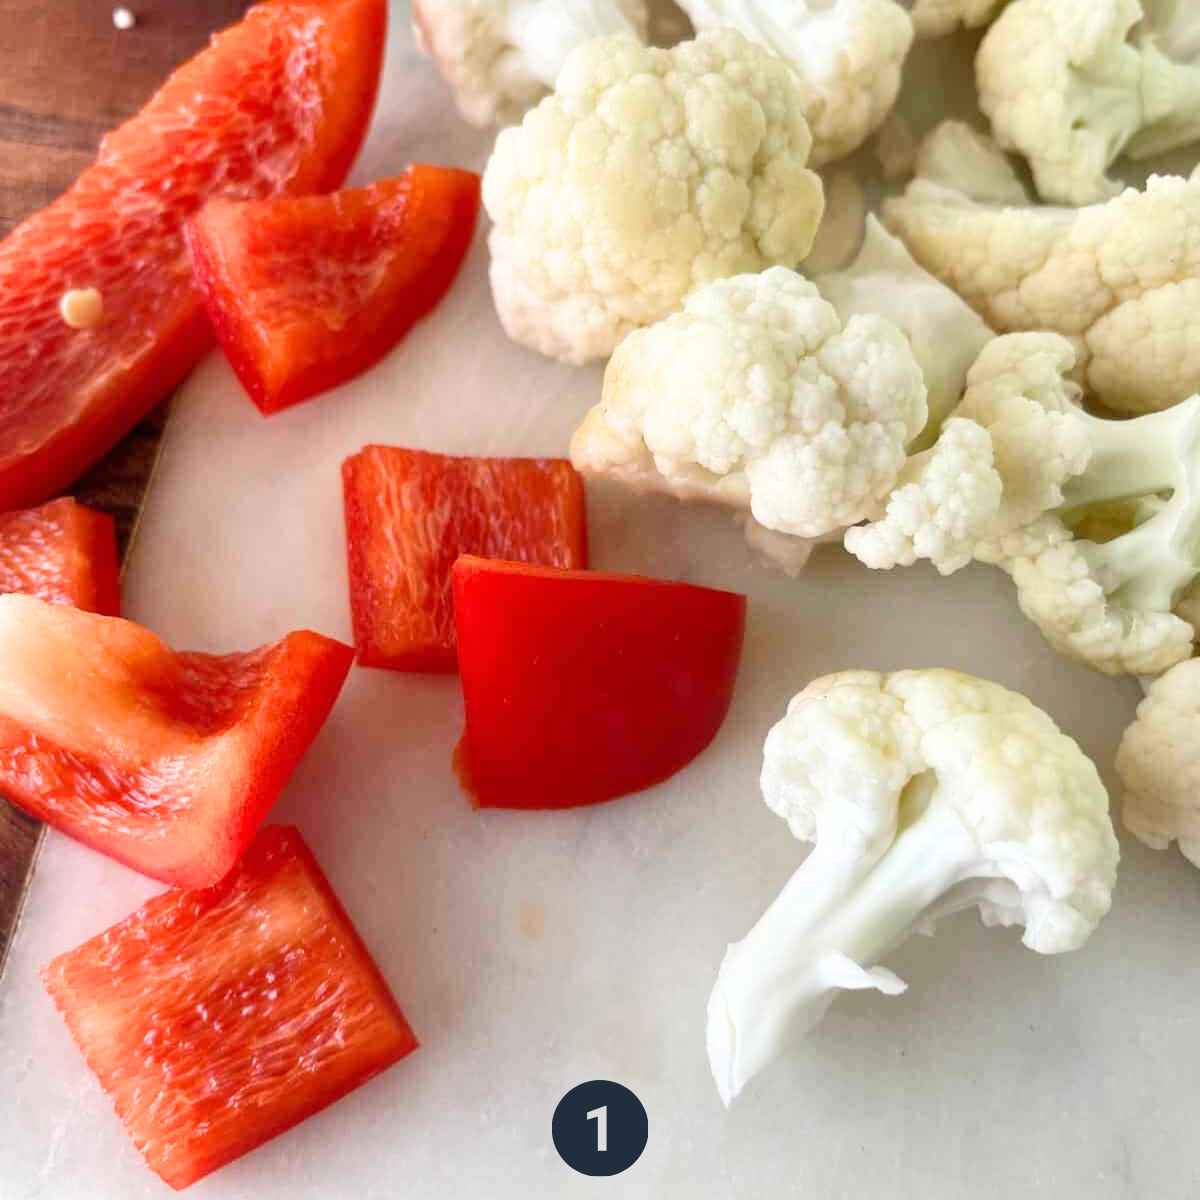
217,1019
277,103
167,762
307,293
581,686
409,515
62,552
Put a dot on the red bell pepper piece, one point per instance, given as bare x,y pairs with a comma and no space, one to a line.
307,293
277,103
217,1019
580,686
64,553
410,514
167,762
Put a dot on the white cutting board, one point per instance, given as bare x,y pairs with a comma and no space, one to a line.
535,951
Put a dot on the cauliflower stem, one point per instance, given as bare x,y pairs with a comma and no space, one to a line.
845,909
1148,567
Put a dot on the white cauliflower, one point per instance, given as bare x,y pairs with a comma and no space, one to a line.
945,332
849,55
501,57
1121,280
646,174
926,792
957,156
758,396
936,18
1159,763
1073,84
942,499
1067,475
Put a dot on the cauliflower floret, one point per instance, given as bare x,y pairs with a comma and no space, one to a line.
502,56
957,156
945,333
1018,390
1106,603
936,18
1065,86
926,792
1065,590
942,499
849,55
1097,521
1159,764
1114,276
757,396
648,173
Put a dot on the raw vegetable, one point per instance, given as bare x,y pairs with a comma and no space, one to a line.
62,552
757,396
945,333
305,293
942,500
849,55
936,18
581,687
1112,278
1066,85
409,515
960,157
165,761
502,56
1159,763
215,1020
1096,520
926,792
648,173
277,103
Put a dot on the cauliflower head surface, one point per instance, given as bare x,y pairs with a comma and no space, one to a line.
1159,764
849,55
647,174
757,395
945,333
1109,277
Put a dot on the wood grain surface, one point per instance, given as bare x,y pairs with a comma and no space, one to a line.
67,75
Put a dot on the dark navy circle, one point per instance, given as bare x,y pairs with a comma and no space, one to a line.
600,1128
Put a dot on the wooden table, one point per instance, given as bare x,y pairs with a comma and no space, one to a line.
67,75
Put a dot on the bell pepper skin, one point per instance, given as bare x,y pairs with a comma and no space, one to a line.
410,514
580,686
167,762
217,1019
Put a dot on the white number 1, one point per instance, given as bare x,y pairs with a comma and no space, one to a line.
600,1116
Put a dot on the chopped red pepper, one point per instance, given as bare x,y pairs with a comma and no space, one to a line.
217,1019
61,552
409,515
167,762
277,103
581,686
305,293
